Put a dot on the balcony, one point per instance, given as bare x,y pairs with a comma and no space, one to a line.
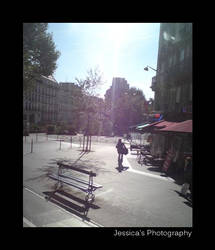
154,82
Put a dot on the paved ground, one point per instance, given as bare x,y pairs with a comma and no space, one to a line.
136,197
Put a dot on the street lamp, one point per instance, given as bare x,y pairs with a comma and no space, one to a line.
147,68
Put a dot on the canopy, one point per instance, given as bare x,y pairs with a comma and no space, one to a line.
156,126
183,127
145,127
164,124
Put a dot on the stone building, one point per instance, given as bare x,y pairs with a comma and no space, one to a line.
119,87
173,91
173,82
50,102
40,102
66,102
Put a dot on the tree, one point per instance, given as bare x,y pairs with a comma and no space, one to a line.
126,109
91,83
89,87
39,52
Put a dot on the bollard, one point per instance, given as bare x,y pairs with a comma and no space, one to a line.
80,141
83,142
60,144
71,141
31,145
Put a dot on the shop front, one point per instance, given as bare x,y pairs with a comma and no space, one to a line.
179,141
171,141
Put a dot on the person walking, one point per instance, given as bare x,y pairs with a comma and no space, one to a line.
121,150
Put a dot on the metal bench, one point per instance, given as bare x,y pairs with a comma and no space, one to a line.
134,146
142,155
86,186
155,161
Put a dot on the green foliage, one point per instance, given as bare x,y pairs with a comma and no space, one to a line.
39,53
50,129
126,108
90,105
34,128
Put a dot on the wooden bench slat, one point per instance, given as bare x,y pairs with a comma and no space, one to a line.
68,180
83,188
95,185
77,169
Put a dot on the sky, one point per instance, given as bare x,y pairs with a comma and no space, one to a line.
117,49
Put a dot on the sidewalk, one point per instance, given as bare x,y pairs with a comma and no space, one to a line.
37,211
153,198
49,214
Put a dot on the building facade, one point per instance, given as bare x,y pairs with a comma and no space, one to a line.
40,102
173,82
118,88
48,102
65,102
173,91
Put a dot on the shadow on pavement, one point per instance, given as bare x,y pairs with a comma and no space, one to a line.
155,169
57,198
120,169
188,201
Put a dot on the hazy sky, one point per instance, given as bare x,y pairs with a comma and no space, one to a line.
118,49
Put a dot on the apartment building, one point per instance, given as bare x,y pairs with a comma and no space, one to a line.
173,82
49,102
65,102
40,103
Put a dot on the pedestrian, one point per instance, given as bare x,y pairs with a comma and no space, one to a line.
121,150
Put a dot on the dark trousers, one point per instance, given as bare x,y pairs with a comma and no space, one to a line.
120,159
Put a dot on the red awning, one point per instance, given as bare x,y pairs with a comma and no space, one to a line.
164,124
146,127
156,126
183,127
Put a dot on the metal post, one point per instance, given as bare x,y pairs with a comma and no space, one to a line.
60,144
80,141
31,145
87,143
36,137
83,141
71,141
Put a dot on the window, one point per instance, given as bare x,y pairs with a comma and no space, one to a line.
178,93
170,61
182,55
162,67
174,61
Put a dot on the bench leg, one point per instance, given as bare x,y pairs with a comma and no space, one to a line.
90,197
